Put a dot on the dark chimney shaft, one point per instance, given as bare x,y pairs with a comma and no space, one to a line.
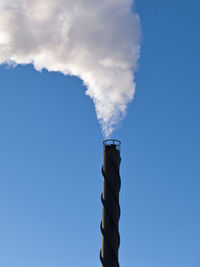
110,201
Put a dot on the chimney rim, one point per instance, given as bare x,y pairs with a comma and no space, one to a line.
112,143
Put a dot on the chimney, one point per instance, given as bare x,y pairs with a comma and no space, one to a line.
110,201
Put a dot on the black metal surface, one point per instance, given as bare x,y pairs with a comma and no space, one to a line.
110,201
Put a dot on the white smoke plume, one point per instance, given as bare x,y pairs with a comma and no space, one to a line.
95,40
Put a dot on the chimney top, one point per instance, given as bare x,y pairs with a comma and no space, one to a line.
111,144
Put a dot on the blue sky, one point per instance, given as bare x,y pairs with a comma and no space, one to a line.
51,156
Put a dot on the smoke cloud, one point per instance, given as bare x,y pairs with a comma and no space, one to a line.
95,40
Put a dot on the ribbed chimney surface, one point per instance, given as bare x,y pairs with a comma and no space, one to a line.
110,201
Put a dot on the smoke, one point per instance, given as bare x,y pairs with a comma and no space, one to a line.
95,40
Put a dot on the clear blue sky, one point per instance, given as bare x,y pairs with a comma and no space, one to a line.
51,156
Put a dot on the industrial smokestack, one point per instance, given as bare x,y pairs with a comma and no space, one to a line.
110,201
